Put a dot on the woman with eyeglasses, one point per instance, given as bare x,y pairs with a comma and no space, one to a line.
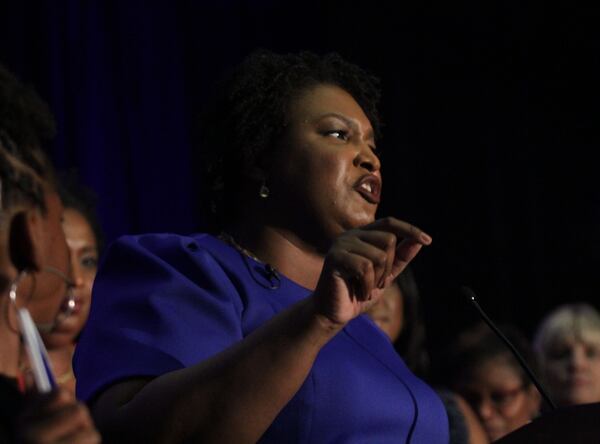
486,374
84,239
34,274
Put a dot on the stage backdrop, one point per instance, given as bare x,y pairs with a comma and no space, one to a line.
491,111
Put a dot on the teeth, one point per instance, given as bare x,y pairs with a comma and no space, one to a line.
366,186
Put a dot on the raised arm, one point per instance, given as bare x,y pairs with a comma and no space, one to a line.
235,395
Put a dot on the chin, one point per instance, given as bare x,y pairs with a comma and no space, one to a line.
359,220
583,397
63,335
56,340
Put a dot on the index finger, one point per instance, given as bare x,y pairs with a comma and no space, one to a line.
401,229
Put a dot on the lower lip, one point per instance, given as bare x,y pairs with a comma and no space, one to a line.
579,382
369,197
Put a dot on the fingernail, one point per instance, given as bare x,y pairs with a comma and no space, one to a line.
426,239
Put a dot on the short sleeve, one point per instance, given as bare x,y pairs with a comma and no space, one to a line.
160,303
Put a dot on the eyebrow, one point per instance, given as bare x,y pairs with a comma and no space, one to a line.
89,249
350,122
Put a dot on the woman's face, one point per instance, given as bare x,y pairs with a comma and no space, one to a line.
572,368
326,177
84,264
388,312
498,395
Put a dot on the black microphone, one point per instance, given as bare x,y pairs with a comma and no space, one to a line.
470,294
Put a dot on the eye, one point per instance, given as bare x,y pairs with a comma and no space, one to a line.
503,399
559,353
89,262
338,134
591,352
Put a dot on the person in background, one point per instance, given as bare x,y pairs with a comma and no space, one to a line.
398,314
485,373
84,238
567,344
34,273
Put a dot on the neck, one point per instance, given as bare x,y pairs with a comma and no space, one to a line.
284,250
61,360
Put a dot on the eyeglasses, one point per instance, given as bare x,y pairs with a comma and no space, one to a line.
67,306
501,400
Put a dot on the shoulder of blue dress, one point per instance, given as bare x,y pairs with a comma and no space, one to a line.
153,241
163,245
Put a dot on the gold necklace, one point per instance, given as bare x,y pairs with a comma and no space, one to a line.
228,238
65,377
272,274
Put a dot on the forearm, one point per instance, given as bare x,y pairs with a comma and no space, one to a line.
233,397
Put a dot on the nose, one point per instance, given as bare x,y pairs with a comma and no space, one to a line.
485,409
76,273
578,359
78,281
367,159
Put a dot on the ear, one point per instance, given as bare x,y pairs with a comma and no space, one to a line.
25,240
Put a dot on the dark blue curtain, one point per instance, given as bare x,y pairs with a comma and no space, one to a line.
491,116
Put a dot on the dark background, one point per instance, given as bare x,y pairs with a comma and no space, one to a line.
491,110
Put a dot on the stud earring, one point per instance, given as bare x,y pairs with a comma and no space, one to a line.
264,191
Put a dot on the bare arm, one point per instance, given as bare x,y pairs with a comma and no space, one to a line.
236,395
228,398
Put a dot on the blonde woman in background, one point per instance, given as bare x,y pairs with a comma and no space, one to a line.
568,347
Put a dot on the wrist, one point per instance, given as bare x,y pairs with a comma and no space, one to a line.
319,318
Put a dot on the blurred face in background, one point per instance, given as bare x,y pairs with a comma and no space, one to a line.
388,312
83,248
496,391
572,368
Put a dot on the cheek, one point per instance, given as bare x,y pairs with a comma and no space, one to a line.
87,286
331,172
523,416
322,179
595,369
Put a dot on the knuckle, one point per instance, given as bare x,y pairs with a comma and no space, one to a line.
389,221
390,241
381,259
366,267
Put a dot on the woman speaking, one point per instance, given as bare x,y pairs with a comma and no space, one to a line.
255,333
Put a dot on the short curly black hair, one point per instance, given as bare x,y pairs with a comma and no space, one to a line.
249,114
25,124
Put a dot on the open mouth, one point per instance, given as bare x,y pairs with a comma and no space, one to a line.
369,187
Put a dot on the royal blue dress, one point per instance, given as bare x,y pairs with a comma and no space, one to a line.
162,302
